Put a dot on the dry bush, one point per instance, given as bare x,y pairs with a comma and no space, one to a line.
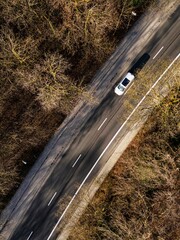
165,214
48,81
7,178
34,18
23,137
63,30
16,51
87,23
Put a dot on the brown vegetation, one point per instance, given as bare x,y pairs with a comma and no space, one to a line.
49,50
142,87
140,198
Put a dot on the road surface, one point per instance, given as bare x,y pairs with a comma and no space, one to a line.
93,146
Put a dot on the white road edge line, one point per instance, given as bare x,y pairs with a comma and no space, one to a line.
110,144
158,52
30,235
128,88
52,198
76,160
102,124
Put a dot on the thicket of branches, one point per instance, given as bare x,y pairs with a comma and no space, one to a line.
140,198
47,46
49,50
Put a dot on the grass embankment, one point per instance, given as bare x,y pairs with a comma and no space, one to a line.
140,198
49,52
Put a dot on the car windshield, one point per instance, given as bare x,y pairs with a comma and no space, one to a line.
125,82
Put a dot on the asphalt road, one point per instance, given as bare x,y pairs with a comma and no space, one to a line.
92,147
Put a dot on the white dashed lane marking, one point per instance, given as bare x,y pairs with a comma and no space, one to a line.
158,52
30,235
102,124
76,160
52,198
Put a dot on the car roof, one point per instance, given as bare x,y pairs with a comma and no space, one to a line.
129,76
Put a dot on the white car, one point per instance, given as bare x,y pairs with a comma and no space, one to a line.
120,88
